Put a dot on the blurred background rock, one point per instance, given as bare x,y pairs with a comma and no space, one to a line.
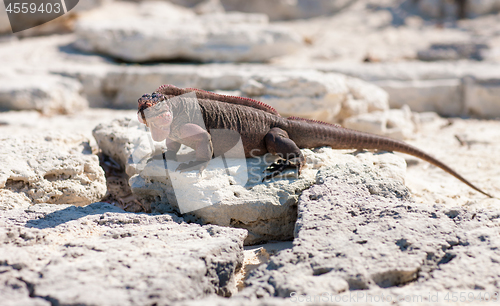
427,71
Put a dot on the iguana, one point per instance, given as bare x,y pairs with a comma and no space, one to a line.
261,128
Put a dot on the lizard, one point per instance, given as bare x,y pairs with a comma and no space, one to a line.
261,128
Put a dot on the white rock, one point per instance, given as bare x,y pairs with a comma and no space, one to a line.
11,200
394,123
266,210
363,98
49,94
278,10
120,258
441,96
284,10
482,97
139,39
52,169
209,6
306,93
443,8
327,97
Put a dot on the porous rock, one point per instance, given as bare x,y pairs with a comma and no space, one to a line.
328,97
394,123
481,97
442,96
365,235
450,89
49,94
473,8
209,38
267,210
101,255
52,169
453,51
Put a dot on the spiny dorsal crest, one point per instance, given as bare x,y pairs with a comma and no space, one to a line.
203,94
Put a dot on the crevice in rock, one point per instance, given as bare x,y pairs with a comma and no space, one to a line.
394,278
118,190
403,244
446,258
31,290
16,185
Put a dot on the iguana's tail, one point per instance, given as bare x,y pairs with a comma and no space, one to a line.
311,133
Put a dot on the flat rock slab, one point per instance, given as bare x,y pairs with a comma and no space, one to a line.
219,196
50,168
450,89
366,235
48,94
101,255
328,97
210,38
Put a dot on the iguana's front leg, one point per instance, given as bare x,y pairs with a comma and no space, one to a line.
196,137
278,142
172,149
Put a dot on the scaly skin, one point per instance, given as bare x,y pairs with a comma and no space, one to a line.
262,130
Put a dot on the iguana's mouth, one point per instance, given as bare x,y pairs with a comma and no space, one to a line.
150,106
156,114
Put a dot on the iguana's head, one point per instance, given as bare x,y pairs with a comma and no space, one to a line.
154,111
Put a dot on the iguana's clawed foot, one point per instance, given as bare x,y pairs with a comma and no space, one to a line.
279,166
192,165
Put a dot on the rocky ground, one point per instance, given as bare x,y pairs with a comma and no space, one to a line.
86,221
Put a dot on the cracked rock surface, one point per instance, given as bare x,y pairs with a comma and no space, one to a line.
52,168
177,33
101,255
266,209
352,236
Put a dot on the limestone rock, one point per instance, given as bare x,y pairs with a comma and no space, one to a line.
441,96
209,6
473,8
280,10
49,94
231,194
327,97
363,98
115,140
59,253
228,38
267,210
52,169
366,235
481,97
394,123
446,88
10,199
454,51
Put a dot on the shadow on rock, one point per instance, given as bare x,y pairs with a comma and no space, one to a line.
54,215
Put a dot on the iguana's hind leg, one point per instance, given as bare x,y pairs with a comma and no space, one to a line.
278,142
